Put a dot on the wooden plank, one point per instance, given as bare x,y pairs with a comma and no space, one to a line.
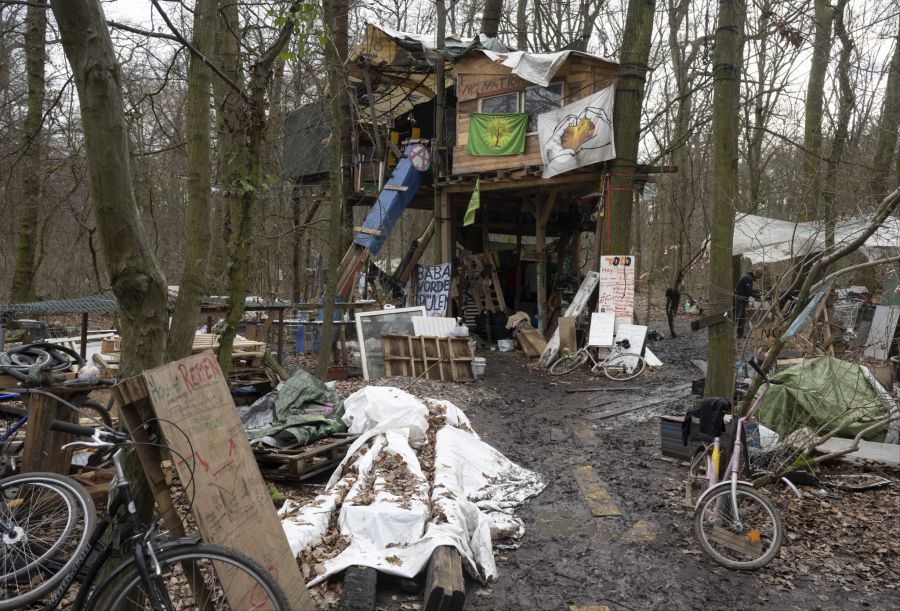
735,542
231,503
595,492
367,231
445,588
395,188
708,321
579,302
881,334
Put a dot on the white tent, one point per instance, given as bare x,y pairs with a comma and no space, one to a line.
767,240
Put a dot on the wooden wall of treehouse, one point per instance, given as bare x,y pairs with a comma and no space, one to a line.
477,78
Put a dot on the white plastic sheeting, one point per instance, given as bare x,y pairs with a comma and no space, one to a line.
395,526
767,240
537,68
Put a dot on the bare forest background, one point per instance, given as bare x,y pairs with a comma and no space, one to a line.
817,127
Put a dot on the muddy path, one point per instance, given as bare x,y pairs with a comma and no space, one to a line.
646,558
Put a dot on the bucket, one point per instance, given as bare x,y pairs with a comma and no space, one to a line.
479,364
506,345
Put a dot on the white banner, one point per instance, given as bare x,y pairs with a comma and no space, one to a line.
578,134
433,288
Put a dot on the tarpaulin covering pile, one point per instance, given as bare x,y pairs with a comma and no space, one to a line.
298,412
418,477
826,393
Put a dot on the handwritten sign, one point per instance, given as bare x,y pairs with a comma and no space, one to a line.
231,505
617,285
433,284
480,85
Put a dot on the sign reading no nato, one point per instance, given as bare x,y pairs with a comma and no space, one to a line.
433,288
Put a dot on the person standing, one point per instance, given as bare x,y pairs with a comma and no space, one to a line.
742,294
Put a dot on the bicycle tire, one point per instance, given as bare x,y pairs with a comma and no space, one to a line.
27,574
126,590
568,363
619,366
101,412
709,512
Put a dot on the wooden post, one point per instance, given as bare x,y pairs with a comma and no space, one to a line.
517,298
43,447
542,212
445,230
84,334
280,335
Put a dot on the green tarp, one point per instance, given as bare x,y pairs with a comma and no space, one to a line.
496,134
822,394
304,411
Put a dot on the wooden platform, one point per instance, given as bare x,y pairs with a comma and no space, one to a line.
303,463
434,358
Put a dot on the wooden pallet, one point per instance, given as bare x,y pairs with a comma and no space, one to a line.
303,463
434,358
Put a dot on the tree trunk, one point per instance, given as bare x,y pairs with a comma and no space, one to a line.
627,122
760,112
726,114
194,277
490,17
886,136
847,101
815,95
134,272
32,158
136,277
337,87
522,25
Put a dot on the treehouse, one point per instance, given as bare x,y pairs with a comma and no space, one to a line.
531,133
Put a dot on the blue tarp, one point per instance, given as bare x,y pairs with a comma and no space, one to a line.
390,204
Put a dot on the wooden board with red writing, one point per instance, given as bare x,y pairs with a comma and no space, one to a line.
231,504
617,286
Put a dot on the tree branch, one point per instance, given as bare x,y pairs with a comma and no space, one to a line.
196,53
134,30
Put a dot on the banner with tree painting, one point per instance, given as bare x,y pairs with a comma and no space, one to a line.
496,134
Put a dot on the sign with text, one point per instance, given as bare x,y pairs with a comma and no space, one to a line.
433,288
232,506
617,285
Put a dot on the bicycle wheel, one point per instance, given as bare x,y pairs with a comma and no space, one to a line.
744,541
94,410
49,519
568,363
227,579
624,367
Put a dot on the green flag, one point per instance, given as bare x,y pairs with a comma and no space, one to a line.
474,204
494,134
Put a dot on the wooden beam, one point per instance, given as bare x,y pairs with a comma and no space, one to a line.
445,589
514,184
360,589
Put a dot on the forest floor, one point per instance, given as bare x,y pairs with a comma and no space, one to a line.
839,546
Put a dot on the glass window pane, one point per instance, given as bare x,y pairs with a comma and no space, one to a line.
508,102
541,99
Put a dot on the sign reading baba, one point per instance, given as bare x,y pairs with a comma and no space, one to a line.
496,134
433,284
577,135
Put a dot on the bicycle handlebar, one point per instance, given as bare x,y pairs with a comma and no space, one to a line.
88,431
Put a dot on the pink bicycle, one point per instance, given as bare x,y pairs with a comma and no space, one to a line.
735,524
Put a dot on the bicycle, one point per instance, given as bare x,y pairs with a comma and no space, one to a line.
736,525
50,537
617,365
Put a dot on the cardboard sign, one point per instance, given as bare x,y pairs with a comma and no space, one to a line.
231,504
433,288
617,285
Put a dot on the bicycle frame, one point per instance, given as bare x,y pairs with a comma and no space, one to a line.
731,471
119,497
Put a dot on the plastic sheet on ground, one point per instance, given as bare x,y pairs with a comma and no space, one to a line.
418,477
297,413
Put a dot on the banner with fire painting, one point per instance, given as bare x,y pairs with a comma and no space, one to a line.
578,134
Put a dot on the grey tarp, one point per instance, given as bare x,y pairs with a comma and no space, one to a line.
823,394
302,410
